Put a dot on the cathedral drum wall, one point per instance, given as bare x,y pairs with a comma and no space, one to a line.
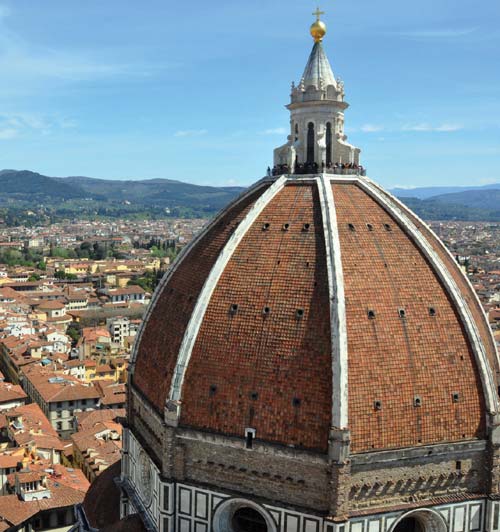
392,478
299,478
191,505
153,432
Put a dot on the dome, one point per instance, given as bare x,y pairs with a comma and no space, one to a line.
315,360
314,303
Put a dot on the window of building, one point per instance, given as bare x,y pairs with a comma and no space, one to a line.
61,518
310,143
249,437
410,524
248,519
328,143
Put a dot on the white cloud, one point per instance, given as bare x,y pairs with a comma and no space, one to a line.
4,11
67,123
405,186
191,133
426,127
20,124
449,127
440,33
275,131
371,128
417,127
489,181
26,63
8,133
22,64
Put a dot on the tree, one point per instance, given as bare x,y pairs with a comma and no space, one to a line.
60,274
143,282
172,253
74,333
157,252
59,252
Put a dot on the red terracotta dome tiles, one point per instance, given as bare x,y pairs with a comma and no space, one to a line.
164,330
271,373
466,290
392,359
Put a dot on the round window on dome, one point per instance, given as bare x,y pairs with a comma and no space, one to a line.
410,524
246,519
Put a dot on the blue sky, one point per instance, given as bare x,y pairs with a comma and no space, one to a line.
196,91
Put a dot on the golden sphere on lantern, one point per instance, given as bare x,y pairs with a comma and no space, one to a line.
318,30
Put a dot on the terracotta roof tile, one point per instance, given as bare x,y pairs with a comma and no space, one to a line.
392,357
161,341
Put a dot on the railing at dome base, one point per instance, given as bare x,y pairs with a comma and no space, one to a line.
305,169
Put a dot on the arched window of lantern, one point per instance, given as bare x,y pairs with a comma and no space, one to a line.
310,143
328,143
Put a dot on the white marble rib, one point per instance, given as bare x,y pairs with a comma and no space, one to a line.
399,214
210,284
178,261
336,296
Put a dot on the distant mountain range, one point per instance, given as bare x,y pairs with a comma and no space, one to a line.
57,197
481,203
430,192
110,197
